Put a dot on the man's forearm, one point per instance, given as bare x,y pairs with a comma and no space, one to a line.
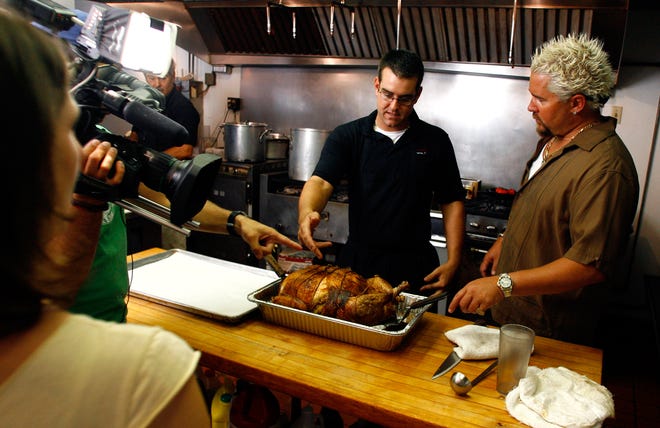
453,216
314,197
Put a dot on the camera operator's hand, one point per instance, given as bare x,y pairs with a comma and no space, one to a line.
98,157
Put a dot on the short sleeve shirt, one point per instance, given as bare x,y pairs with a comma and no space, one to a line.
391,186
579,205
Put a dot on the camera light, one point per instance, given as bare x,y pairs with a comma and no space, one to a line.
146,41
133,39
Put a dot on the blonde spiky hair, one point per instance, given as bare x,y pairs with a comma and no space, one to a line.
576,64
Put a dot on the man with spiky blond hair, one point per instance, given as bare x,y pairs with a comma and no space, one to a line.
572,216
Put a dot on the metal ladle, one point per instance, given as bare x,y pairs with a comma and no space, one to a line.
462,385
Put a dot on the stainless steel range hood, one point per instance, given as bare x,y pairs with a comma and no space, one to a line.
243,32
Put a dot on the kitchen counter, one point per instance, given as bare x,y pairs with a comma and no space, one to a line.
393,388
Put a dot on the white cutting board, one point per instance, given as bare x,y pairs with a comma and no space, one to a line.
199,284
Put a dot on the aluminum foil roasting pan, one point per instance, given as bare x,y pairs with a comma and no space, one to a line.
373,337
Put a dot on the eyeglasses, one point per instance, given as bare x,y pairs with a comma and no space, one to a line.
404,100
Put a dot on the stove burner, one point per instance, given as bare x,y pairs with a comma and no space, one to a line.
283,185
489,203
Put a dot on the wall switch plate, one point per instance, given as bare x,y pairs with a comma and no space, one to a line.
617,113
195,89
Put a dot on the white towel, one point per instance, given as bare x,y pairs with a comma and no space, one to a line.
559,397
475,342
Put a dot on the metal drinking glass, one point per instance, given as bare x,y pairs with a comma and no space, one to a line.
516,345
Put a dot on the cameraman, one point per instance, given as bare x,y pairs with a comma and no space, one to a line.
179,109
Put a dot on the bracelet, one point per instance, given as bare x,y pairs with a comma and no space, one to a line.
89,206
230,221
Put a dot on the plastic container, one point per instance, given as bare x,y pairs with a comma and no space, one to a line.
221,405
221,410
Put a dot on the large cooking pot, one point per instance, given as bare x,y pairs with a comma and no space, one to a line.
244,142
304,151
277,145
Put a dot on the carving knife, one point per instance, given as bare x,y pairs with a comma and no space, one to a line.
449,363
275,265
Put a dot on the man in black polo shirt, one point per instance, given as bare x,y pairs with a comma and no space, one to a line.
179,109
395,165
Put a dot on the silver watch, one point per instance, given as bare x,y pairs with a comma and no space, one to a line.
506,284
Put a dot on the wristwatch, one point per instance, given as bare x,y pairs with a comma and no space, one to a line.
506,284
230,221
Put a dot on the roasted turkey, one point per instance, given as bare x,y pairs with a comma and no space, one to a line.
340,293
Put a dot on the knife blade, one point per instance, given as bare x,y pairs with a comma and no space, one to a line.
449,363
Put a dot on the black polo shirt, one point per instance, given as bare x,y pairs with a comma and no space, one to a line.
391,187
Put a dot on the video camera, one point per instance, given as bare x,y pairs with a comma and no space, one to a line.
109,36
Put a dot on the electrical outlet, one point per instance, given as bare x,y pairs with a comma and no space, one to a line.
233,104
617,113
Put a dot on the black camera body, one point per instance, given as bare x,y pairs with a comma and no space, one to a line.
186,184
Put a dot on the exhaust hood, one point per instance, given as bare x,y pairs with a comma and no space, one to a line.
245,32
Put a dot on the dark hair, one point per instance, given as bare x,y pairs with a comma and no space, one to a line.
34,67
403,63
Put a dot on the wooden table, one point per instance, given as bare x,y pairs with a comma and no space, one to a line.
393,388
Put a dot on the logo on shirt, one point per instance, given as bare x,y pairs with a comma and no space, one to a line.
108,215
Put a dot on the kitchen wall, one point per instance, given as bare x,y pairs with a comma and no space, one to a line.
485,117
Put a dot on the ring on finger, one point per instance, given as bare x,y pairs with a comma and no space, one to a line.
480,312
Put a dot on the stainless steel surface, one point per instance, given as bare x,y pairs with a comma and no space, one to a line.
304,151
462,385
449,363
474,31
244,142
237,185
332,328
513,31
281,212
489,151
155,212
277,145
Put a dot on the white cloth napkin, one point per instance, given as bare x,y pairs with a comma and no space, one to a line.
558,397
475,342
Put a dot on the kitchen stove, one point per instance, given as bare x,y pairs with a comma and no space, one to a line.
281,184
236,187
487,214
279,208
